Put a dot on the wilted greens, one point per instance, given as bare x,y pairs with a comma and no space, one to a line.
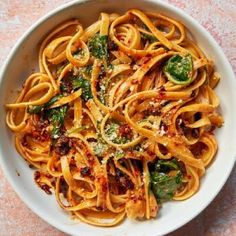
163,185
178,69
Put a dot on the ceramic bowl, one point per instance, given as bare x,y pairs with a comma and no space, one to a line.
23,59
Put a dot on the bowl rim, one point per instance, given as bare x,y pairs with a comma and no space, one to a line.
60,9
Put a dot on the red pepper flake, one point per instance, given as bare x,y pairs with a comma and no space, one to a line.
103,182
193,94
24,141
151,154
39,134
73,162
136,172
189,177
164,127
99,208
144,59
90,158
119,37
85,171
133,19
41,123
162,89
212,128
112,46
197,149
37,176
129,154
125,131
134,81
137,57
162,92
48,175
31,166
123,182
45,188
62,147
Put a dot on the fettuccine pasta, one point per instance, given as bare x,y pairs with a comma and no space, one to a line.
120,116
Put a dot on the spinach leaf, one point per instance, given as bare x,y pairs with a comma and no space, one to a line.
80,82
164,185
39,108
98,46
119,154
178,69
70,82
113,133
88,70
56,117
35,109
149,37
166,165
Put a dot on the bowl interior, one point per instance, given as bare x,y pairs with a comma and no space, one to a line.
21,63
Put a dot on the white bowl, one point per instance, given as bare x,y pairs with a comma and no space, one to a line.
21,61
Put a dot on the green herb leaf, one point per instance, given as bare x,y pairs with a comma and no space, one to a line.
178,69
112,133
84,84
119,154
88,70
98,46
39,108
164,185
52,101
35,109
149,37
56,117
100,147
60,69
166,166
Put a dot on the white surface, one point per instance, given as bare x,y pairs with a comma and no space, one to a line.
20,64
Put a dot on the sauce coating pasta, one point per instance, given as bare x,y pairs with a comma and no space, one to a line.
120,116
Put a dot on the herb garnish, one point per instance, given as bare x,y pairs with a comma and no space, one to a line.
84,84
98,46
178,69
149,37
163,185
56,117
113,134
40,108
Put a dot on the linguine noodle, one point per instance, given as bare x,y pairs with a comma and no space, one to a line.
120,116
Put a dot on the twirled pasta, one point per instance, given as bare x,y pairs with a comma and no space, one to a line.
111,101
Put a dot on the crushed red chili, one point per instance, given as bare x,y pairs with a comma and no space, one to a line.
125,131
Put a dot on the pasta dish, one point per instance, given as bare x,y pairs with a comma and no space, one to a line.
120,117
